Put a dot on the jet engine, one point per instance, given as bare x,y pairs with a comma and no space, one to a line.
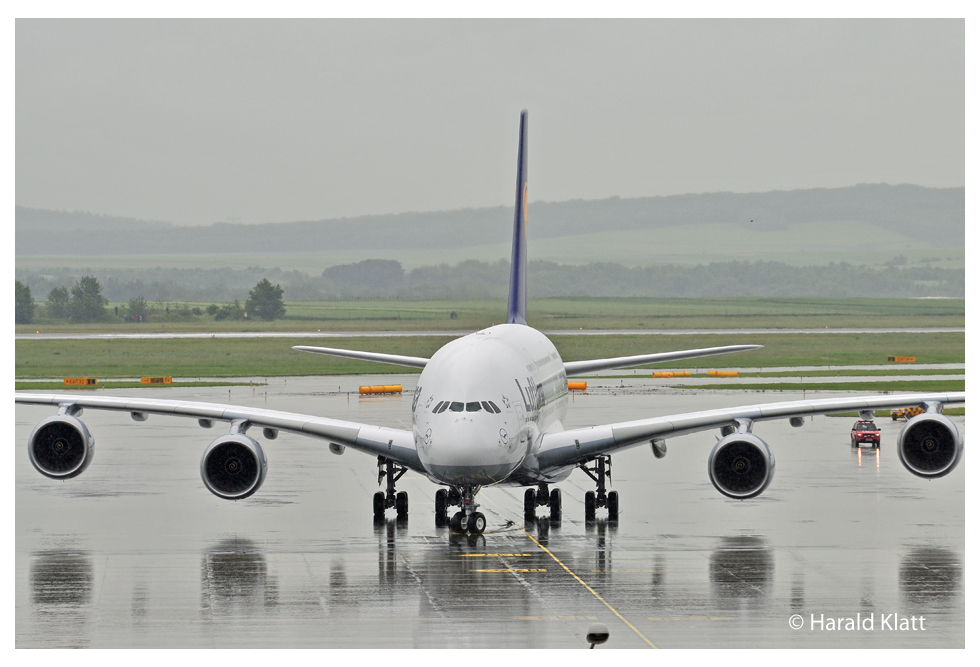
61,447
741,466
233,466
930,445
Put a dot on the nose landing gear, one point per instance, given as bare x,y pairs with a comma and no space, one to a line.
465,520
391,471
600,469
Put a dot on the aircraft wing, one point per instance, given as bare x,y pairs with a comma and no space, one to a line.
593,365
566,448
395,444
396,359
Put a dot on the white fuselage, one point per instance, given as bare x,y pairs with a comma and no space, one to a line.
483,403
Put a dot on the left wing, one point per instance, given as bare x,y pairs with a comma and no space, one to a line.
568,448
593,365
395,444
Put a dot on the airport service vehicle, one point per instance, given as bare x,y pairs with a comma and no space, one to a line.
865,432
488,409
906,413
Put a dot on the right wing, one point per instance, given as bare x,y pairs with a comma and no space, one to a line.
396,359
395,444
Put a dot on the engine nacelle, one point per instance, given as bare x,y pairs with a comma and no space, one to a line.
741,466
930,445
60,447
233,466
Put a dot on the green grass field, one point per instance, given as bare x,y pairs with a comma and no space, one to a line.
565,314
271,357
910,386
60,386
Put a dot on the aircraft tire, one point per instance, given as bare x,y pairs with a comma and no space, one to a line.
555,504
612,504
477,523
456,523
401,503
442,503
379,504
590,506
530,504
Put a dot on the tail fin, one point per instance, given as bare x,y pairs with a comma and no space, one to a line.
517,299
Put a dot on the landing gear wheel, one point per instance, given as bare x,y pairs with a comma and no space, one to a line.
379,505
590,506
555,504
442,502
612,504
477,523
456,523
530,504
401,504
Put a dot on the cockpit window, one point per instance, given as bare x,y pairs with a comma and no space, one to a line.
486,406
456,406
444,406
473,406
438,405
494,406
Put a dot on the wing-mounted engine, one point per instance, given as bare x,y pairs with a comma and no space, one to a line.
930,445
60,447
741,466
233,466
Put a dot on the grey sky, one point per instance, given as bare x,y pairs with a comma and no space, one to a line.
199,121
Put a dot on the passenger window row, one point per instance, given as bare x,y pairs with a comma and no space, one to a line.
472,406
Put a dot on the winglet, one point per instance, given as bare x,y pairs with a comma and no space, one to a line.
517,296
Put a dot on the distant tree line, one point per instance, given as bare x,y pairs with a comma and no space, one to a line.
478,280
85,302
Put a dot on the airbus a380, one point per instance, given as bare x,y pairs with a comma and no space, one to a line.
488,409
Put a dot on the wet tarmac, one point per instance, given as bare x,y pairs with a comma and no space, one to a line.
136,553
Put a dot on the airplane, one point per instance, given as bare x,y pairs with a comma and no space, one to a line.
488,410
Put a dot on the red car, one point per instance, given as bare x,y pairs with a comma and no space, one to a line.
865,432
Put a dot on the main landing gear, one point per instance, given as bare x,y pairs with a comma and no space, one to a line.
467,519
534,498
599,470
391,471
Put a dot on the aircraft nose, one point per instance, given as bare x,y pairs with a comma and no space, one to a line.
467,450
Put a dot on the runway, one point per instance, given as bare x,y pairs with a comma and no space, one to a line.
136,553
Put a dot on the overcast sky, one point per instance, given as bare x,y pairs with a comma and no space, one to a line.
195,121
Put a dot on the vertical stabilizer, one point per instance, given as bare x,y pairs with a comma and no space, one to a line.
517,296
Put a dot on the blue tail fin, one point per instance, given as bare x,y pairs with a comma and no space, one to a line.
517,299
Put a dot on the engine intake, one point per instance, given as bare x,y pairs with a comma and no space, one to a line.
233,466
930,445
741,466
60,447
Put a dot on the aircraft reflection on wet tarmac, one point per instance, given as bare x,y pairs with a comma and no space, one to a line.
141,556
